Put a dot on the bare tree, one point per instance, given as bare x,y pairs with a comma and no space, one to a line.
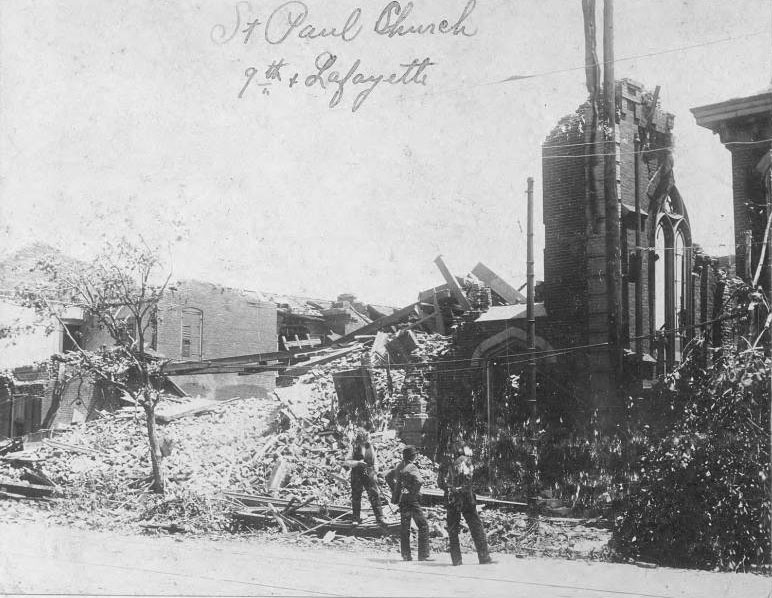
117,294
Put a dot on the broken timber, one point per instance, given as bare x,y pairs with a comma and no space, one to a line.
378,324
27,490
429,496
498,285
303,367
238,363
434,496
455,288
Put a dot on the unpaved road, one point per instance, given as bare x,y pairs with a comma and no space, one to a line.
35,558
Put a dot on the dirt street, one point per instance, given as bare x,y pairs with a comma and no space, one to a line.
35,558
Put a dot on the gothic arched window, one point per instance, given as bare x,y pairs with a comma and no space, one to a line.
670,289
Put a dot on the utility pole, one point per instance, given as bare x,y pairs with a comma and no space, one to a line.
638,251
613,269
532,411
488,404
529,306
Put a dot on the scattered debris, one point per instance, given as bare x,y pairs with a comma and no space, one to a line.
275,464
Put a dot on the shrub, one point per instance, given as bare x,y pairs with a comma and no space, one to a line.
703,497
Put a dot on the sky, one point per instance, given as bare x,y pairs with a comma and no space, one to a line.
139,119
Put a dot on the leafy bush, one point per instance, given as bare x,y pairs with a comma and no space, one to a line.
703,497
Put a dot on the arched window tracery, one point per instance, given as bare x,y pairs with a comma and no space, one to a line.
670,276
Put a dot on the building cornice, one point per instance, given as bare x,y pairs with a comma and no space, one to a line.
752,111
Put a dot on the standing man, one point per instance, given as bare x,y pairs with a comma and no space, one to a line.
364,467
456,479
405,482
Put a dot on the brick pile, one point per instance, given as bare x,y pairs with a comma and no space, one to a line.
250,445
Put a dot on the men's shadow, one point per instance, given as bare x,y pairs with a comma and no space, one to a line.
414,562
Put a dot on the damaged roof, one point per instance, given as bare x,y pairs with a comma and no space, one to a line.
511,312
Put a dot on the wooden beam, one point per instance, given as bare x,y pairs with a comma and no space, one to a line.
307,365
440,320
453,285
498,285
28,490
378,324
186,367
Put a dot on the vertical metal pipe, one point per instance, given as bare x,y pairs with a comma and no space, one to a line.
488,400
769,238
638,250
530,305
769,271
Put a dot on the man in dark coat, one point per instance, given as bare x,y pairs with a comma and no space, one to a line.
364,468
456,479
405,482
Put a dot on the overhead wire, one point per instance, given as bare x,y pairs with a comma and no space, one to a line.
525,356
635,57
515,78
585,143
624,153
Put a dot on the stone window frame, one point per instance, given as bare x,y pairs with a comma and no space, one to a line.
673,220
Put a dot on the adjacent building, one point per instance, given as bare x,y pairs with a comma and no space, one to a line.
195,322
744,126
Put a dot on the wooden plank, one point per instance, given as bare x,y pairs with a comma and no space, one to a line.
257,500
453,285
434,496
29,490
226,369
439,323
312,363
497,284
184,367
378,324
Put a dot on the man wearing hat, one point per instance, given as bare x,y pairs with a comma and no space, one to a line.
364,466
405,482
455,477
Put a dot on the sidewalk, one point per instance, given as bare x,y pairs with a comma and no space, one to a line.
39,559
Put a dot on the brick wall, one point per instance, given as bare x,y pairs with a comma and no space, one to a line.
460,381
575,231
749,204
234,322
575,259
565,222
76,401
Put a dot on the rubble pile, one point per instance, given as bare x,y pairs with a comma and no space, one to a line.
252,445
104,465
525,535
289,451
305,458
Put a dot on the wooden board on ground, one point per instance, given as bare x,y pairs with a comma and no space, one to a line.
435,496
28,490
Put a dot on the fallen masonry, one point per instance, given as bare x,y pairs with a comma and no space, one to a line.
274,464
